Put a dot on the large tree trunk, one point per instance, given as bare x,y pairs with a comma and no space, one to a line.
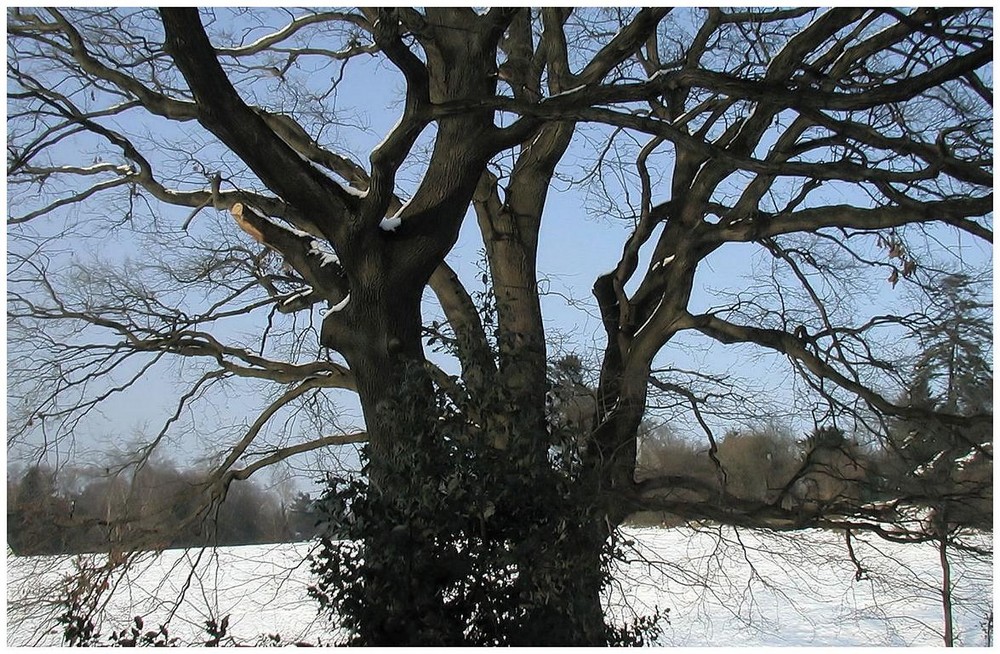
569,575
555,539
379,334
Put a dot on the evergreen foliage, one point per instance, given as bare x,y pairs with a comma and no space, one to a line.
944,467
490,532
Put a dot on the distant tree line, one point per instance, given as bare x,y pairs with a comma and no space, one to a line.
73,511
947,473
940,472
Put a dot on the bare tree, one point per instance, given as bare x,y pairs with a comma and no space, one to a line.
844,145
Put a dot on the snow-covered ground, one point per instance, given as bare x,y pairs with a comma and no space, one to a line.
739,587
721,586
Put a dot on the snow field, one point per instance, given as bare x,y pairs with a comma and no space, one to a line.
722,586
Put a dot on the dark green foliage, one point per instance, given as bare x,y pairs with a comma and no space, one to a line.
461,542
954,368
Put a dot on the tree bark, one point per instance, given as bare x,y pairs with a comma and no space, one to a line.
949,635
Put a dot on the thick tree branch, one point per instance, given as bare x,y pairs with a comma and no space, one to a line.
268,41
155,102
785,343
283,453
223,112
624,44
474,352
761,225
